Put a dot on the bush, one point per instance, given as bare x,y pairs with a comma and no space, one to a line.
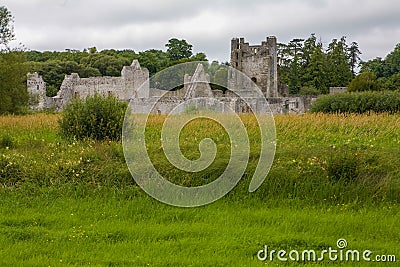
362,102
365,81
97,117
391,83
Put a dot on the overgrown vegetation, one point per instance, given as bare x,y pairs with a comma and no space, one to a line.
385,101
13,94
318,155
307,63
366,81
72,202
96,117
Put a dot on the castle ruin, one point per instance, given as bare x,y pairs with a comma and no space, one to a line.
257,62
124,87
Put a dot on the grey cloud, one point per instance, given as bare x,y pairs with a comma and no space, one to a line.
208,25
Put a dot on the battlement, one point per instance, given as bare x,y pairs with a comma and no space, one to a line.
259,62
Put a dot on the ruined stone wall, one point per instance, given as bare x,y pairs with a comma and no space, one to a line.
164,105
37,91
259,62
74,86
336,90
154,92
133,82
136,80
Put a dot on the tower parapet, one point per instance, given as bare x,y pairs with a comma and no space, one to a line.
259,62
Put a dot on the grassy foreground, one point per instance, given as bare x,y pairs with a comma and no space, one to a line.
69,203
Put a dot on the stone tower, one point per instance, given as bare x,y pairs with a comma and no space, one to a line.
36,90
258,62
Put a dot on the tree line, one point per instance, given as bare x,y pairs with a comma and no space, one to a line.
379,74
90,62
307,67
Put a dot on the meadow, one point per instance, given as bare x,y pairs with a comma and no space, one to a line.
74,203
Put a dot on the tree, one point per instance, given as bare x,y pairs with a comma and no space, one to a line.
178,49
306,63
315,74
108,65
392,62
6,26
384,68
339,70
294,51
218,75
284,62
375,65
391,83
308,50
365,81
309,90
354,54
96,117
92,50
199,57
13,93
153,60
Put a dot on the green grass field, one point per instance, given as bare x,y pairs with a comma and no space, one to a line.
74,203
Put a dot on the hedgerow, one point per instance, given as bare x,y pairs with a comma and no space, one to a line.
362,102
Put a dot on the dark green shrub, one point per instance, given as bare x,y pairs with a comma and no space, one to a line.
97,117
385,101
365,81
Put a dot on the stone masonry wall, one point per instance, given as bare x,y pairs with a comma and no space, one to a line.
37,91
259,62
124,87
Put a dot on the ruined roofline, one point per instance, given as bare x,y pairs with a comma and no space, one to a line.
241,40
199,76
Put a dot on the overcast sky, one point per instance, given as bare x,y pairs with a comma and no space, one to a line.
208,25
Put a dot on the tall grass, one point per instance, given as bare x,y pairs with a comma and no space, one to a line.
74,203
339,158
